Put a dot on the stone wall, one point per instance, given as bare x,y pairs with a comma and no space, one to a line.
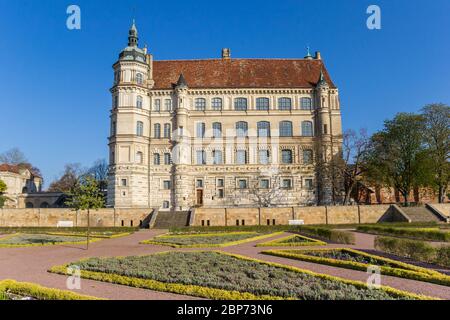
50,217
281,216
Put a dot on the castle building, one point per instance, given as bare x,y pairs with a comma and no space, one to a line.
220,132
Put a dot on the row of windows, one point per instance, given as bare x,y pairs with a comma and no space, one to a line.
241,157
262,104
240,104
139,78
263,129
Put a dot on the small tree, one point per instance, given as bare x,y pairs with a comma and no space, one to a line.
86,196
3,188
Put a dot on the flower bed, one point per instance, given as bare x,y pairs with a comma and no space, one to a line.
357,260
292,241
32,240
202,240
10,289
218,275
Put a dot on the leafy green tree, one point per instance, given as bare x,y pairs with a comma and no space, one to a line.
86,195
437,137
3,188
397,156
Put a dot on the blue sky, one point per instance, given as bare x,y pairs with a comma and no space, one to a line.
54,83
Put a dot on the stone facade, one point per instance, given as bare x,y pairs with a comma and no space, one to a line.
217,132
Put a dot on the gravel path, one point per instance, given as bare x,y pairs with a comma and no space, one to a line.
31,265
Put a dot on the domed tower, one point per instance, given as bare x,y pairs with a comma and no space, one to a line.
128,184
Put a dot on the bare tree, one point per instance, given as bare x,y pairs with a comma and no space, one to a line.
266,196
13,156
99,171
68,180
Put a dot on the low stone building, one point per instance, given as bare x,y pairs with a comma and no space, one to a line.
24,189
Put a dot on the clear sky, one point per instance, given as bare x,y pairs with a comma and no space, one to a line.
54,83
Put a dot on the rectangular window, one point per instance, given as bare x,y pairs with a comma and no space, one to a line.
168,105
325,129
286,184
199,183
242,183
123,182
264,184
201,130
309,184
157,105
216,104
220,183
167,185
156,159
167,129
241,157
306,103
284,104
240,104
221,194
262,104
264,156
286,156
167,159
201,157
217,156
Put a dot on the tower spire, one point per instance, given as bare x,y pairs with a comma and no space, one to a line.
133,35
308,53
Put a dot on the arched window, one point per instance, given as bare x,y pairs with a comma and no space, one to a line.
29,205
139,78
157,130
286,156
44,205
167,131
139,157
262,104
216,104
217,157
285,129
264,129
140,128
139,102
307,129
307,156
217,130
200,104
201,130
241,128
306,103
284,104
156,159
240,104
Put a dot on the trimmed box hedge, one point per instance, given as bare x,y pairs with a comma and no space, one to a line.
290,241
5,242
387,266
200,240
37,292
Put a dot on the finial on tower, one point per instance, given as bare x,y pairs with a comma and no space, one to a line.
322,81
308,53
181,81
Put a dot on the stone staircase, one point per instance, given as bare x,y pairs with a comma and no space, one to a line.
166,220
420,214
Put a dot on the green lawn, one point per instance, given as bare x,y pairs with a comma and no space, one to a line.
37,239
184,272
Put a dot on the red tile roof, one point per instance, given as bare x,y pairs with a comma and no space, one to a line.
240,73
9,168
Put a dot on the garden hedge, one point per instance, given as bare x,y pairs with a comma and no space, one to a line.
38,292
281,242
414,249
2,245
403,270
154,241
430,234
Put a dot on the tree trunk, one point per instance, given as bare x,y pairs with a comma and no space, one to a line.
441,194
405,196
88,228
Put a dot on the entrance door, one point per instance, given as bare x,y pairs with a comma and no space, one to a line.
200,197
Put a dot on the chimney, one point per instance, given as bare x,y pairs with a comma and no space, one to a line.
226,53
318,56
